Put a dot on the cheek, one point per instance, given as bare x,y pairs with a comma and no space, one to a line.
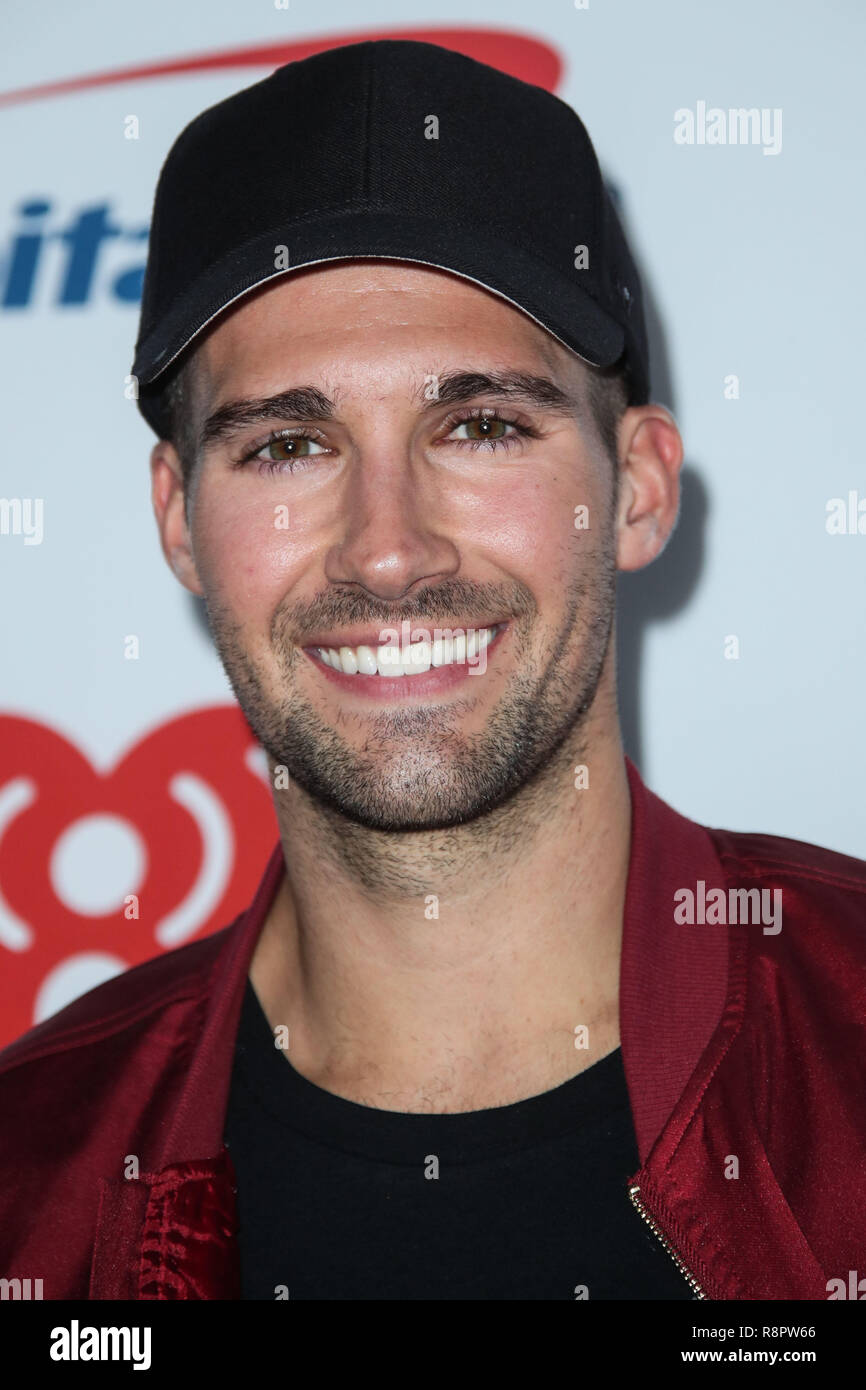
535,526
248,551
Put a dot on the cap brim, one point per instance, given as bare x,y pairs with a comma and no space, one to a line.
556,301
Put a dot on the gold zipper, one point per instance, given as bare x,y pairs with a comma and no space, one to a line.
634,1193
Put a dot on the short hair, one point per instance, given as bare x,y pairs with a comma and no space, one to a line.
177,398
607,395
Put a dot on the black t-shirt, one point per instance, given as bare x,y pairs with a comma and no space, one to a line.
526,1201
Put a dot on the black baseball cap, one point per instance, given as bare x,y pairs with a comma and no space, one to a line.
389,149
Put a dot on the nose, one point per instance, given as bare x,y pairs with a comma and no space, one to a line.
390,530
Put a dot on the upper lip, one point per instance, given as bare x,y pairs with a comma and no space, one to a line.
372,637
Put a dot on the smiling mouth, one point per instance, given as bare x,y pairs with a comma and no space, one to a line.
459,648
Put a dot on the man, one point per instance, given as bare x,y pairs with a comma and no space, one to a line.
498,1023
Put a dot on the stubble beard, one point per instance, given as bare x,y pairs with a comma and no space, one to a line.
416,770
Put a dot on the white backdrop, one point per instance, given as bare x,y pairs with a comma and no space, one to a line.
752,260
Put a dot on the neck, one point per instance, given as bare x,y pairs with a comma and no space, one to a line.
451,969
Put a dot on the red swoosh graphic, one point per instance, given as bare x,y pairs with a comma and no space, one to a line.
528,58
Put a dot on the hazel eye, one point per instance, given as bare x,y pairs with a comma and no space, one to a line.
484,427
284,447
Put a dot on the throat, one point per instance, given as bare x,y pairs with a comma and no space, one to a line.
453,1087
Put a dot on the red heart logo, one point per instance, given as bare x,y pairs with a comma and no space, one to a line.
102,870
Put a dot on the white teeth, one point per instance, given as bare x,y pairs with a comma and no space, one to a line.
391,661
442,651
420,654
366,661
388,661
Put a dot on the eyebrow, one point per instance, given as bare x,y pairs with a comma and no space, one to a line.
304,403
307,404
456,388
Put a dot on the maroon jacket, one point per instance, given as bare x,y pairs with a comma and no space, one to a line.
743,1050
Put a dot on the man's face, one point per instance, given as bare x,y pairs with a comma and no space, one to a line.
422,492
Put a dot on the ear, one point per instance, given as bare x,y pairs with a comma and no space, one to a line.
650,450
167,495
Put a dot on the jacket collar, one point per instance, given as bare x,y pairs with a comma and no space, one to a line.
673,982
674,979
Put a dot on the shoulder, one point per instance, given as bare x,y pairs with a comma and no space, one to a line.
795,859
816,898
817,887
121,1005
796,1062
807,937
93,1084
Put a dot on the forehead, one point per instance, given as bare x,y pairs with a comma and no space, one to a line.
385,318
